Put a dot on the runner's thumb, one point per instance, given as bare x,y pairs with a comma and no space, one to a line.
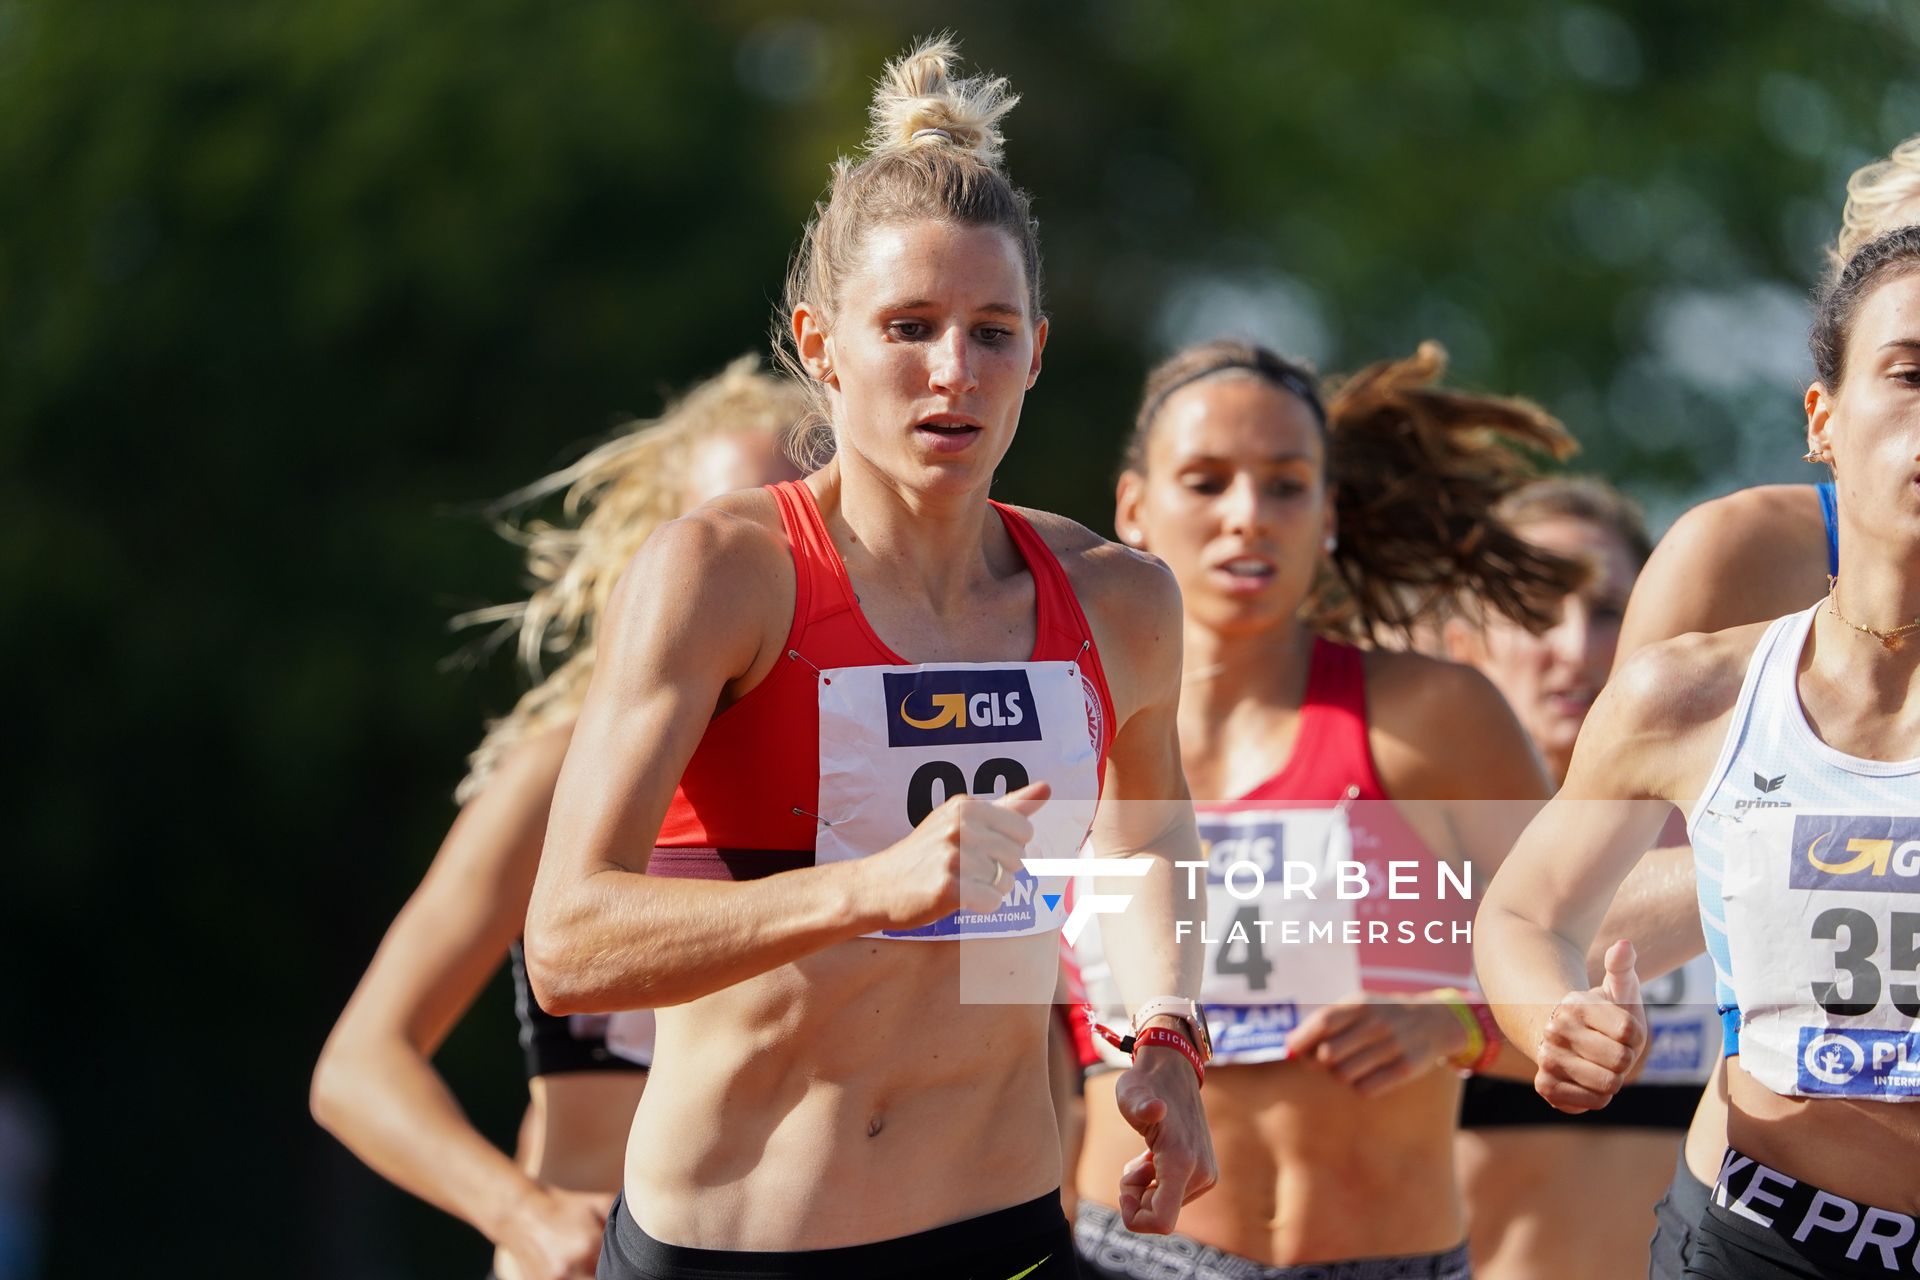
1621,984
1138,1104
1027,800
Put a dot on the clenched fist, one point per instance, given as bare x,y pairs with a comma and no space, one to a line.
962,857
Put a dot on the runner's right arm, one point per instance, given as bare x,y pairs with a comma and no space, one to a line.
603,936
1641,748
1746,545
1656,909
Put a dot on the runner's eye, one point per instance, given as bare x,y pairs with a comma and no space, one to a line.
908,330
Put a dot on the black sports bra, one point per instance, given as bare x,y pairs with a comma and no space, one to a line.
553,1045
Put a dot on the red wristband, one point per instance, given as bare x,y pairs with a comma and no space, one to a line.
1170,1040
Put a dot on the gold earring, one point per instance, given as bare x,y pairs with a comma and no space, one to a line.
1811,456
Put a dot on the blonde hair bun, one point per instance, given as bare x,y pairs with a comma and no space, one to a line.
919,102
1879,196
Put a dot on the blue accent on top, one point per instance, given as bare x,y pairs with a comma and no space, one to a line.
1830,512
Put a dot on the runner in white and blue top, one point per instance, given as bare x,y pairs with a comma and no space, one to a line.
1751,555
1793,746
1849,830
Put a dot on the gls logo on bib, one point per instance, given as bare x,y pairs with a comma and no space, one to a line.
934,708
1876,854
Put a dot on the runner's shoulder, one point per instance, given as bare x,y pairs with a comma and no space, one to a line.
1749,531
1132,604
1682,684
1426,686
727,559
1116,580
1416,706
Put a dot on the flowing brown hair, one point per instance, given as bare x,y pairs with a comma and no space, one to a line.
1418,471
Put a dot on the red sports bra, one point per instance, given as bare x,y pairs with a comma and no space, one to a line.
1332,762
1331,759
745,804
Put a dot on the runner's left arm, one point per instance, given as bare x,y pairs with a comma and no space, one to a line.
1146,812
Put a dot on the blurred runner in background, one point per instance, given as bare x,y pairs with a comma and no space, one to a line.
1528,1169
1294,529
375,1087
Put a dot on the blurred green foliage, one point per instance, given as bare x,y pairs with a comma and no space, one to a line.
288,289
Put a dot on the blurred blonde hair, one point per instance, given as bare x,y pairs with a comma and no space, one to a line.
1873,193
933,151
616,496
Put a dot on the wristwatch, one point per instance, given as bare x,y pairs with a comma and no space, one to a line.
1187,1011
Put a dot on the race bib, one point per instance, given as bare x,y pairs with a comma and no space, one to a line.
1823,934
1274,939
898,742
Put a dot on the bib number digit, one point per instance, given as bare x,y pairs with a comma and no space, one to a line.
1254,965
951,781
1906,959
991,773
943,773
1855,960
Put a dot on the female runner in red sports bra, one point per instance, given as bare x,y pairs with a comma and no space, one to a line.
848,707
1288,525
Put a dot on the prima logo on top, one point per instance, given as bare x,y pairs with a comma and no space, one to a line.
1764,786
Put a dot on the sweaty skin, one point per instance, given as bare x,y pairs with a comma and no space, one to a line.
1654,736
835,1085
844,1066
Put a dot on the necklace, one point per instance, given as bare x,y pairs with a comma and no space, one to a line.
1889,639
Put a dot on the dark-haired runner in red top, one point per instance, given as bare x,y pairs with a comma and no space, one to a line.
1333,1125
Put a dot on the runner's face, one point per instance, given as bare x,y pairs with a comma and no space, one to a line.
932,352
742,460
1872,427
1234,500
1551,679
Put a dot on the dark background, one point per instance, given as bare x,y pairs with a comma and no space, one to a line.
287,290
